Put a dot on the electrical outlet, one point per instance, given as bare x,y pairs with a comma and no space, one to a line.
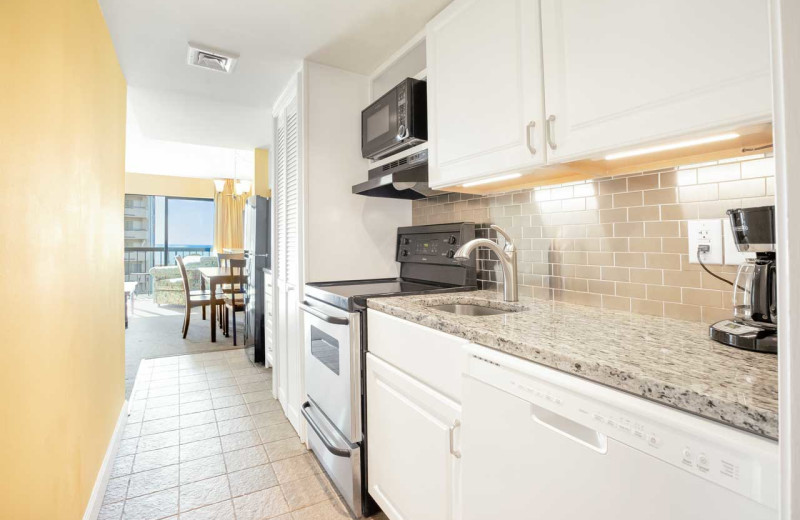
708,233
732,255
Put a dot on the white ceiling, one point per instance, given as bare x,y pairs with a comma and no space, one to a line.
159,157
176,102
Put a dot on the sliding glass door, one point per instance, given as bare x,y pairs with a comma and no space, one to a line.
157,229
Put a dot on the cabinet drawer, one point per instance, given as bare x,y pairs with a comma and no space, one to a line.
430,356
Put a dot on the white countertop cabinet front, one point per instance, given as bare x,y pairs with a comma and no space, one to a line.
485,111
413,419
622,73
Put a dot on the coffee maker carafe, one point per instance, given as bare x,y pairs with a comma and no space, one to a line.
755,300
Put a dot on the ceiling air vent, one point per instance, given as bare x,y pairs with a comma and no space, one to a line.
208,58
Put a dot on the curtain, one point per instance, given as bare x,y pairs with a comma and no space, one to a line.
228,213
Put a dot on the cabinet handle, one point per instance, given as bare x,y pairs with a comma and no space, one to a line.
456,453
529,129
549,130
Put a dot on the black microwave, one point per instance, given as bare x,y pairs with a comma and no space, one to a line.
396,121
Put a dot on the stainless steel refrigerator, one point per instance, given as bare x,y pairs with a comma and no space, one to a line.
257,255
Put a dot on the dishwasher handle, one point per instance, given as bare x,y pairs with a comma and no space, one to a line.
570,429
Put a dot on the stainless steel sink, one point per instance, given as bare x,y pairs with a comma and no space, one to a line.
467,309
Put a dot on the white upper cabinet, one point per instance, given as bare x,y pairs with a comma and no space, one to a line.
485,111
621,73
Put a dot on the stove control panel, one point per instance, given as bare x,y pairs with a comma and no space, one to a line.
432,248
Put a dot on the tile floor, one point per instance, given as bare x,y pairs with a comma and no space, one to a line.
155,331
205,440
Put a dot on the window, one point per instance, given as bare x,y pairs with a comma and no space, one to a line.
157,229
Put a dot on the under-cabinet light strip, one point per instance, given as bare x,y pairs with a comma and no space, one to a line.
498,178
672,146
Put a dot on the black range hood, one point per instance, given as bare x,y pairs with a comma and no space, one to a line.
404,178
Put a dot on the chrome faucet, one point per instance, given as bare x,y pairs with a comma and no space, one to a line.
507,256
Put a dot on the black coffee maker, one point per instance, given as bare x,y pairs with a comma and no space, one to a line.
755,298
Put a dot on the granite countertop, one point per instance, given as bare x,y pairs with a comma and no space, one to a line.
672,362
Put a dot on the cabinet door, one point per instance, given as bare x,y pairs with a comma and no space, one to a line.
622,73
485,110
412,472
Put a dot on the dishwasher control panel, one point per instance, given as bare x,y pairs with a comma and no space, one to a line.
739,461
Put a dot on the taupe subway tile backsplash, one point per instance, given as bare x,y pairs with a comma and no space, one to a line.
619,242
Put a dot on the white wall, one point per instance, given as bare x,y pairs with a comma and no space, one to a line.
348,236
786,99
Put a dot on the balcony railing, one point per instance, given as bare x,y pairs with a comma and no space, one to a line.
139,260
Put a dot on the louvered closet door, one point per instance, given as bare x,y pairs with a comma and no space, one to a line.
292,197
280,197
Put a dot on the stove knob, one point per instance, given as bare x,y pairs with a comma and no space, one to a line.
451,254
405,241
404,252
452,239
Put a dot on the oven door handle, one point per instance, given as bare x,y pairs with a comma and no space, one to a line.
340,452
321,315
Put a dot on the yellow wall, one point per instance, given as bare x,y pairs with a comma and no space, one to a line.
261,173
144,184
62,141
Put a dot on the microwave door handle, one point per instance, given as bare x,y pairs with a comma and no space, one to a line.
321,315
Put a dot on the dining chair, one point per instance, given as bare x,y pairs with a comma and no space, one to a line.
225,261
234,300
194,298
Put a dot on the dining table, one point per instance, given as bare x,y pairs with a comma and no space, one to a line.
212,277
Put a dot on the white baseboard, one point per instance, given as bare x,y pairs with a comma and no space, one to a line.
99,490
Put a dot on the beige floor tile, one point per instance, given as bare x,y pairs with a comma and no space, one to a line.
307,491
268,503
152,506
116,490
198,433
219,511
197,418
158,441
284,449
277,432
240,424
122,466
111,511
157,402
155,459
241,440
232,412
252,479
254,397
201,469
196,406
132,430
200,449
151,414
225,391
269,418
228,401
330,510
127,447
270,405
153,480
246,458
295,468
224,380
195,395
160,425
204,492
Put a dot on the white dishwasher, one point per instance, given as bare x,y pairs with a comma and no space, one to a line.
540,444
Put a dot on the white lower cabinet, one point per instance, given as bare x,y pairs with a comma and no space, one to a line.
414,465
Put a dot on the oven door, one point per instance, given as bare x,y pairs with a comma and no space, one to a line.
379,126
333,386
332,341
